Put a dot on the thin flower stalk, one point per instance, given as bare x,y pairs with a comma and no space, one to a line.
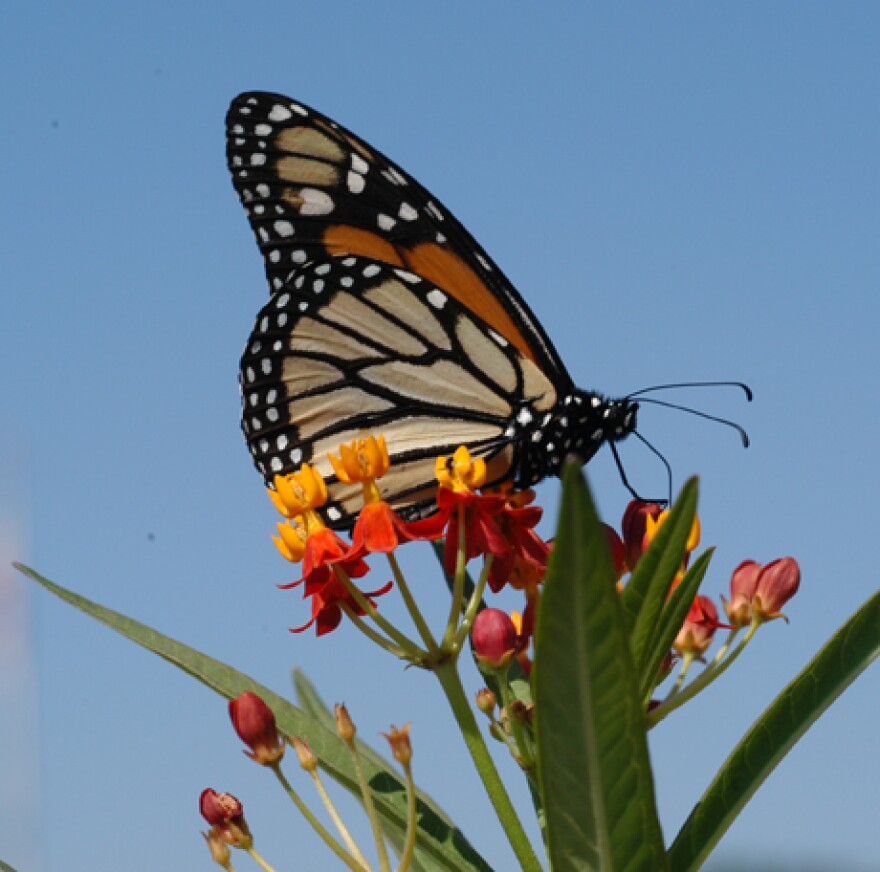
411,606
523,751
317,826
341,828
370,808
702,681
412,822
413,651
373,635
259,860
473,606
458,583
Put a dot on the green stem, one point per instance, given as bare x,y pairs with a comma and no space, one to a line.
458,584
259,860
373,635
369,807
317,826
450,681
523,751
341,828
412,607
409,842
413,650
703,680
473,606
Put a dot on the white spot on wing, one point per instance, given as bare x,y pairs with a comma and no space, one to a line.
407,212
279,113
315,202
437,298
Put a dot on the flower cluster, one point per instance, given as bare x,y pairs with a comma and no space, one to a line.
499,526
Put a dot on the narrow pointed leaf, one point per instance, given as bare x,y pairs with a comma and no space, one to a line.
671,618
842,659
438,837
5,867
593,760
646,591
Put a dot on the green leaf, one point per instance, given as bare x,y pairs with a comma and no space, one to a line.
645,593
5,867
593,759
671,618
843,658
438,838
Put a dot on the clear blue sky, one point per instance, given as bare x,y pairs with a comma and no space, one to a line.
681,191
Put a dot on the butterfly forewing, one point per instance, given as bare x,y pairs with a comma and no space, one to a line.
312,189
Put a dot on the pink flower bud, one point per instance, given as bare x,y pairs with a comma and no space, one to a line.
255,724
226,816
777,584
743,583
494,638
699,627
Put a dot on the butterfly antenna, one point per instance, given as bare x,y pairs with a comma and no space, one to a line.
727,423
698,384
625,480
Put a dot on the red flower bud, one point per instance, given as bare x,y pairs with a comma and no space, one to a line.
777,584
743,583
494,638
226,815
634,526
255,724
699,627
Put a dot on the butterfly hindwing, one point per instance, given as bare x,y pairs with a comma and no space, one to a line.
352,346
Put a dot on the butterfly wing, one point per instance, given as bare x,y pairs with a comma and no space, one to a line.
352,346
313,190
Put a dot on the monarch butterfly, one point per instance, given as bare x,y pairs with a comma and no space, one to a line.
386,315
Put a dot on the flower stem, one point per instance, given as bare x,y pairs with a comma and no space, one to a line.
317,826
341,828
369,807
259,860
473,606
372,612
409,841
450,681
701,682
458,584
373,635
523,751
412,607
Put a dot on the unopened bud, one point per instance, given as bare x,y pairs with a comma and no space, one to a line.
778,583
486,701
401,748
255,724
345,727
699,627
304,754
220,852
226,816
494,638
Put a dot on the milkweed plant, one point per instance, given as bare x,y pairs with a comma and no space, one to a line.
613,637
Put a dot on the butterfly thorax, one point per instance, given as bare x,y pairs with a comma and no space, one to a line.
575,428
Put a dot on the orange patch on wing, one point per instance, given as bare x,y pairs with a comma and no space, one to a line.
442,268
341,239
